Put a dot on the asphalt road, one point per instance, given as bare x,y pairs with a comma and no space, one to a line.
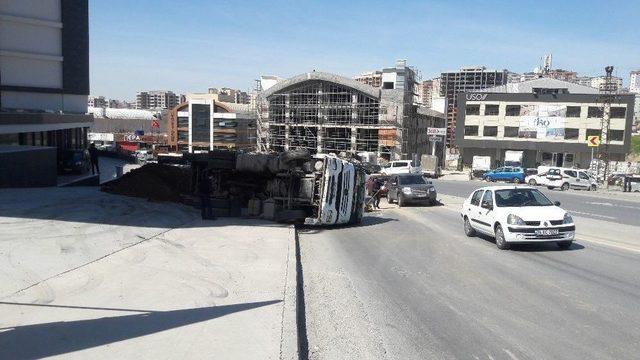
577,202
408,284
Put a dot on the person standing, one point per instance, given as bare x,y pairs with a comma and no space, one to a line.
377,192
627,178
93,156
205,198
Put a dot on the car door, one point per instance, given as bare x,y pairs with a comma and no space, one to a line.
472,209
485,213
583,181
571,177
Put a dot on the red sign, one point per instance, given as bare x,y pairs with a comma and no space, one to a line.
155,124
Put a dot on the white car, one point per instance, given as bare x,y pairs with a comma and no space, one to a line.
401,167
517,214
563,178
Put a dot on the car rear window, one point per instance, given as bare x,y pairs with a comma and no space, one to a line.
411,180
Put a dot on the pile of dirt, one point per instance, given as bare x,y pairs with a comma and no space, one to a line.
152,181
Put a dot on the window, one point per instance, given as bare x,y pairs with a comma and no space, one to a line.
471,130
583,175
513,110
475,199
571,173
618,112
487,199
573,111
521,197
399,164
472,110
616,135
595,112
571,134
490,131
387,85
593,132
511,131
183,122
491,109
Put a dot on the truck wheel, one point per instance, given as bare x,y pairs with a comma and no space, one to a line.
533,182
564,187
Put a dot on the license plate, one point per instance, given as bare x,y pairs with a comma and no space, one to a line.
421,195
547,232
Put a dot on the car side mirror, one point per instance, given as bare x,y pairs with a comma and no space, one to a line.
487,205
556,203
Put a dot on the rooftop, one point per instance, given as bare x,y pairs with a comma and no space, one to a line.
544,83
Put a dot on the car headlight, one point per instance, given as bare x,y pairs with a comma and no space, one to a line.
515,220
567,219
78,163
406,190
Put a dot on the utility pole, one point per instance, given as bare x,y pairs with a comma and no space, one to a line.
607,95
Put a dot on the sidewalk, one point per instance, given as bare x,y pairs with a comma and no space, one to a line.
84,274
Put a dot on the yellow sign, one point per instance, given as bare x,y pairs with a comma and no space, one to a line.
593,141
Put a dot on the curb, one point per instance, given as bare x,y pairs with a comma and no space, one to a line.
289,336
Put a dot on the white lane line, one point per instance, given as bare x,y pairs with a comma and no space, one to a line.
590,214
613,205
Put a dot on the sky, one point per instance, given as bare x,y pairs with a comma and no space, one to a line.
188,46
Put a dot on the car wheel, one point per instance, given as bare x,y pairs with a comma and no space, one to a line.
550,187
564,244
401,201
533,182
593,188
564,187
468,230
516,180
389,201
501,243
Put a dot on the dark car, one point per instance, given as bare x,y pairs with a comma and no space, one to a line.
370,181
411,188
76,161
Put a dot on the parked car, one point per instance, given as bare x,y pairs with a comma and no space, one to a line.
517,214
76,161
507,173
565,179
411,188
540,178
635,184
616,179
372,179
401,167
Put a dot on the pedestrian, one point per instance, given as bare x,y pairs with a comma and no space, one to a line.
627,178
205,198
93,156
378,185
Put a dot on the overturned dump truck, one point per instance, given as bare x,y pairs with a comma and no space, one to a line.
291,186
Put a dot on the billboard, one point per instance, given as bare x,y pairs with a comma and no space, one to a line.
543,121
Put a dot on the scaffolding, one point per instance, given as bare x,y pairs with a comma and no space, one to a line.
325,117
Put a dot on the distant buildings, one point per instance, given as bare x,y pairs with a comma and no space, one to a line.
156,99
229,95
371,78
466,79
634,82
425,93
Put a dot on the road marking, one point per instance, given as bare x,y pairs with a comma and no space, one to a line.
590,214
613,205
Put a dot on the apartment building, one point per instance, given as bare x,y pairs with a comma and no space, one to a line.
97,101
371,78
634,82
229,95
549,120
156,99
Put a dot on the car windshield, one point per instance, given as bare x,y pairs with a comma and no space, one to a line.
521,197
412,180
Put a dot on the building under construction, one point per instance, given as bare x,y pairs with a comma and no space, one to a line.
328,113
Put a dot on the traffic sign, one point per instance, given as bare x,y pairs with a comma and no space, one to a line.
155,124
593,141
437,131
435,138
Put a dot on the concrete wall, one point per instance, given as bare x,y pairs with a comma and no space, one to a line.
28,166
